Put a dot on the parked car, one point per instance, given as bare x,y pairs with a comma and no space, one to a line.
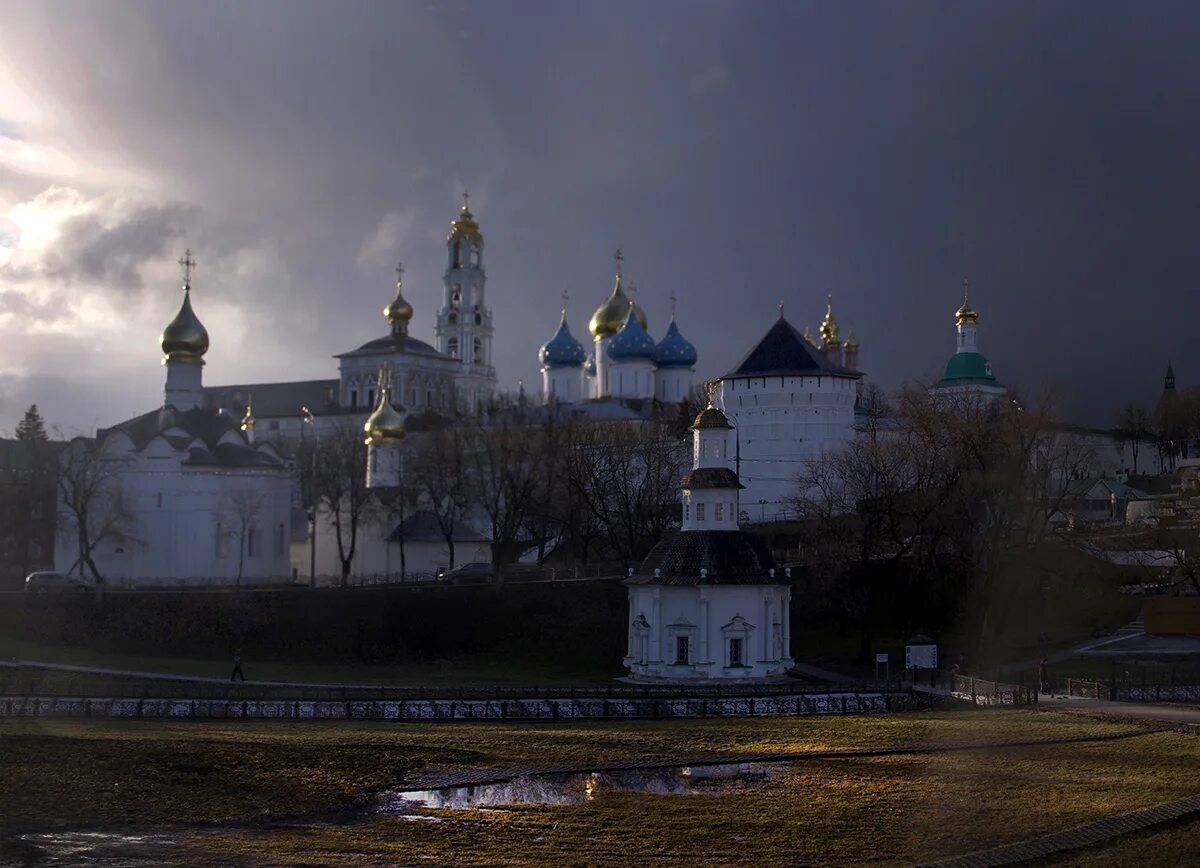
47,582
476,572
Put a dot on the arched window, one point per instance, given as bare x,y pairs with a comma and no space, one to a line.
452,347
456,295
478,318
477,346
452,319
455,260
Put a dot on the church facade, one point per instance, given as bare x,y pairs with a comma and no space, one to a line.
181,495
455,372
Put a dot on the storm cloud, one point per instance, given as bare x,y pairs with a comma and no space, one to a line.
739,153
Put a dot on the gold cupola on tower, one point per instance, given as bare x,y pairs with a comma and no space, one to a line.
610,316
965,314
399,312
829,327
464,225
185,339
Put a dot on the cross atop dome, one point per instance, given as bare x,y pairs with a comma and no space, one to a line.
187,264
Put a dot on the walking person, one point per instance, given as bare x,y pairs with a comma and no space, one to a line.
237,667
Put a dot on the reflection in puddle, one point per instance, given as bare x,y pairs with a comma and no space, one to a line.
96,849
105,849
574,789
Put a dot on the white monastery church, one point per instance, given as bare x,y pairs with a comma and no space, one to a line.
707,603
181,494
454,372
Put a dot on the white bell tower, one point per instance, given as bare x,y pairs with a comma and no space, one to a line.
464,323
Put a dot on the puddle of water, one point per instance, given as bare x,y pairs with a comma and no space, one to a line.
94,849
577,788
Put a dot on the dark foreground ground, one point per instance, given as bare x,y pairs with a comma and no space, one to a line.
261,793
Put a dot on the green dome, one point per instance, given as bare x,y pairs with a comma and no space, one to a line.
968,369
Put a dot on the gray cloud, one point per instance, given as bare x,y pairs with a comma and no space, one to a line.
739,153
94,248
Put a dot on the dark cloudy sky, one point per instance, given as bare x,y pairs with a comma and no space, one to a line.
739,152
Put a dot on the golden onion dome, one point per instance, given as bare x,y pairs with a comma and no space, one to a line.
965,314
248,419
464,225
829,326
852,342
610,316
185,339
710,416
384,423
399,312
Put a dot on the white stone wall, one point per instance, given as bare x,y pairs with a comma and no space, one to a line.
632,379
710,617
781,423
184,525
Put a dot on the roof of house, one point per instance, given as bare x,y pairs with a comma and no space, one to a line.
199,423
422,526
783,350
968,369
395,343
729,557
275,399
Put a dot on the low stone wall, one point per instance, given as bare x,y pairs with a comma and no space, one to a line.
1157,693
462,709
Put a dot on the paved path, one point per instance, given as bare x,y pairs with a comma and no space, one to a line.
165,676
472,777
1087,835
1148,712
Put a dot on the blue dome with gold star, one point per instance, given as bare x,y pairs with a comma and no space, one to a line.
674,350
562,350
632,342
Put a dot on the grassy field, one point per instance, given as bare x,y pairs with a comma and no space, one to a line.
149,776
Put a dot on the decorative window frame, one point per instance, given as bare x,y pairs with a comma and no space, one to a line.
738,628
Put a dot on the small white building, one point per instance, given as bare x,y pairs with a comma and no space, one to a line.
707,603
181,495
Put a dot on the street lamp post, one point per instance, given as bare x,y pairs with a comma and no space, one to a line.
307,418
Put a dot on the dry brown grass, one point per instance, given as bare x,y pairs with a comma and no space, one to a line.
890,809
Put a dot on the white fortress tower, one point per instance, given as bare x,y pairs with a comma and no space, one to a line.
464,323
790,404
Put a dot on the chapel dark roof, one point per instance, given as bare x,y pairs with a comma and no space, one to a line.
731,557
783,350
710,477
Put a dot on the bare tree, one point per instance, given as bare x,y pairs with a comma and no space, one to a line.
504,465
339,482
1133,424
242,507
437,471
626,476
91,505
